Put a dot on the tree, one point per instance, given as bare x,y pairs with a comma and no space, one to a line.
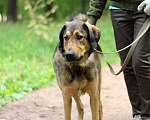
12,10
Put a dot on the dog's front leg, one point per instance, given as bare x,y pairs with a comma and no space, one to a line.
79,106
94,103
67,105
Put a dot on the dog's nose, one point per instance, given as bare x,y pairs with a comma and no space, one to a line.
69,55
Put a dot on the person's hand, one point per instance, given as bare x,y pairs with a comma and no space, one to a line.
146,6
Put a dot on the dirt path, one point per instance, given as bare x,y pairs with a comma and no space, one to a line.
47,104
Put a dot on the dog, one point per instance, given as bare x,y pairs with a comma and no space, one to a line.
77,67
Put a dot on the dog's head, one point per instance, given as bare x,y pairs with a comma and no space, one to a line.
78,39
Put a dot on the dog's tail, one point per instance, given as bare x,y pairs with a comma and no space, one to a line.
78,16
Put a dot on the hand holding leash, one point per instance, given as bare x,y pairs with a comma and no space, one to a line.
146,6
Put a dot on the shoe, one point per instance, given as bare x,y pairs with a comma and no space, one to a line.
137,117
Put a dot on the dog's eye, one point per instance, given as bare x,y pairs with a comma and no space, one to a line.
79,37
66,38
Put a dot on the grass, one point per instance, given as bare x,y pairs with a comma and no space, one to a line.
26,62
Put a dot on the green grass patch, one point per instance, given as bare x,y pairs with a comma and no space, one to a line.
26,62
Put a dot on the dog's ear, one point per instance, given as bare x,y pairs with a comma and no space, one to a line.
61,36
93,34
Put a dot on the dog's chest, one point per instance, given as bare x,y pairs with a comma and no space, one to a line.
77,76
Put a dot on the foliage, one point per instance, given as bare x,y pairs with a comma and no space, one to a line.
69,7
2,6
65,8
21,13
25,63
39,20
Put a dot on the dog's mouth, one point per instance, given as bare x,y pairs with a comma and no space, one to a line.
72,58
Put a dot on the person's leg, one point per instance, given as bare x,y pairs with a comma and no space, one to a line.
124,34
141,64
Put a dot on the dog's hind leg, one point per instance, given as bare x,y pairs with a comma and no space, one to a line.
100,103
79,106
67,105
100,111
100,108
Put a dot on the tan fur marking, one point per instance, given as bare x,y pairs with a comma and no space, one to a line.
79,47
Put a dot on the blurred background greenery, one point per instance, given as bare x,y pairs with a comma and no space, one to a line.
29,31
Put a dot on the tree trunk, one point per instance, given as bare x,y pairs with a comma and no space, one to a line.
12,10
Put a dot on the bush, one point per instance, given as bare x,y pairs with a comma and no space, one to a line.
39,20
69,7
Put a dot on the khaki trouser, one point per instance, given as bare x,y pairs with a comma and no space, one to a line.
126,26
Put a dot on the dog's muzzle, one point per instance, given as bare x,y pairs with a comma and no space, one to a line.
69,56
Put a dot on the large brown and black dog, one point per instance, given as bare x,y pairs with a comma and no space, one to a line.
78,68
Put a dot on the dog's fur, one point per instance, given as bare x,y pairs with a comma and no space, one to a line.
78,68
78,16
